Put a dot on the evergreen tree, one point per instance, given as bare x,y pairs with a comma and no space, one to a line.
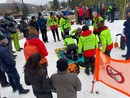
56,5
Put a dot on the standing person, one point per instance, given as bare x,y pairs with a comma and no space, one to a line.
105,38
71,47
41,48
8,65
53,23
65,84
42,24
103,11
113,13
36,76
127,34
13,30
76,14
87,44
65,25
23,27
34,23
80,14
96,18
109,8
86,16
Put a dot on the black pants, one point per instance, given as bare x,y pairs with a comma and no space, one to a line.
112,17
3,79
44,35
80,20
89,63
55,31
122,42
107,52
72,52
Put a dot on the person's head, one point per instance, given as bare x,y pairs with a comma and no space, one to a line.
85,28
65,14
62,64
100,24
40,15
129,13
3,40
33,31
23,18
51,15
94,14
78,31
33,62
33,18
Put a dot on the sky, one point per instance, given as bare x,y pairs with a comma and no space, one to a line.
37,2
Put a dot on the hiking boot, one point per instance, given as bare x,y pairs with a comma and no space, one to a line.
24,91
124,55
5,85
87,71
58,39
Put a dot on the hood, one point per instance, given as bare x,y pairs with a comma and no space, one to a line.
33,40
97,16
86,33
103,28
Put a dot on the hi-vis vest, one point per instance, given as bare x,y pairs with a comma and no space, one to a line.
105,38
87,43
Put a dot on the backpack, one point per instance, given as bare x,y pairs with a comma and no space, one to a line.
29,50
73,68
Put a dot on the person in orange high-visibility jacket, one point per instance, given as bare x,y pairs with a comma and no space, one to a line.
105,38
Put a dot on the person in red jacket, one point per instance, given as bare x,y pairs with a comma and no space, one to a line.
80,15
34,40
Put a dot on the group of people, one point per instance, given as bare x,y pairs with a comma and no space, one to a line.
83,14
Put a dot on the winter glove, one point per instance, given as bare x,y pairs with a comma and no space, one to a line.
80,55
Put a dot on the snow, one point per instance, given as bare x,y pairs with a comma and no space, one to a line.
99,87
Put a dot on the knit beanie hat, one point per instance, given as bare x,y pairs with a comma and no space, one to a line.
2,37
51,13
62,64
39,14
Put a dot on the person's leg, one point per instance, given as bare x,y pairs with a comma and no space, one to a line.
15,81
43,37
92,61
16,41
57,34
87,65
3,79
107,52
128,49
45,34
53,32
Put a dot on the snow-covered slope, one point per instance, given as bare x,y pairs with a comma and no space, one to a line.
104,91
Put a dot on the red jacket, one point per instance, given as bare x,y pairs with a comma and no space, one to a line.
91,52
80,12
34,40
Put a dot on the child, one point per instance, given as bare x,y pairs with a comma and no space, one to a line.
36,76
71,48
65,84
87,44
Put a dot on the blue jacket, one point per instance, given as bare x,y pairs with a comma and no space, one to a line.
42,23
127,27
6,58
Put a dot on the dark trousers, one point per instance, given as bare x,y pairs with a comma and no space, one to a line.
55,31
112,17
72,52
44,35
14,79
80,20
122,42
128,48
3,79
89,63
107,52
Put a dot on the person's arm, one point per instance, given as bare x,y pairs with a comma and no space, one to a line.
43,49
80,46
103,42
73,32
61,26
78,84
53,88
46,83
26,80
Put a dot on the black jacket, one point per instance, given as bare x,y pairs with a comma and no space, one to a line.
41,84
6,59
34,24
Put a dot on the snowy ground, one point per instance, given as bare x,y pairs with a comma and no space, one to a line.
103,90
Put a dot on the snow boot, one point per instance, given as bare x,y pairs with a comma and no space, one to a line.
87,70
